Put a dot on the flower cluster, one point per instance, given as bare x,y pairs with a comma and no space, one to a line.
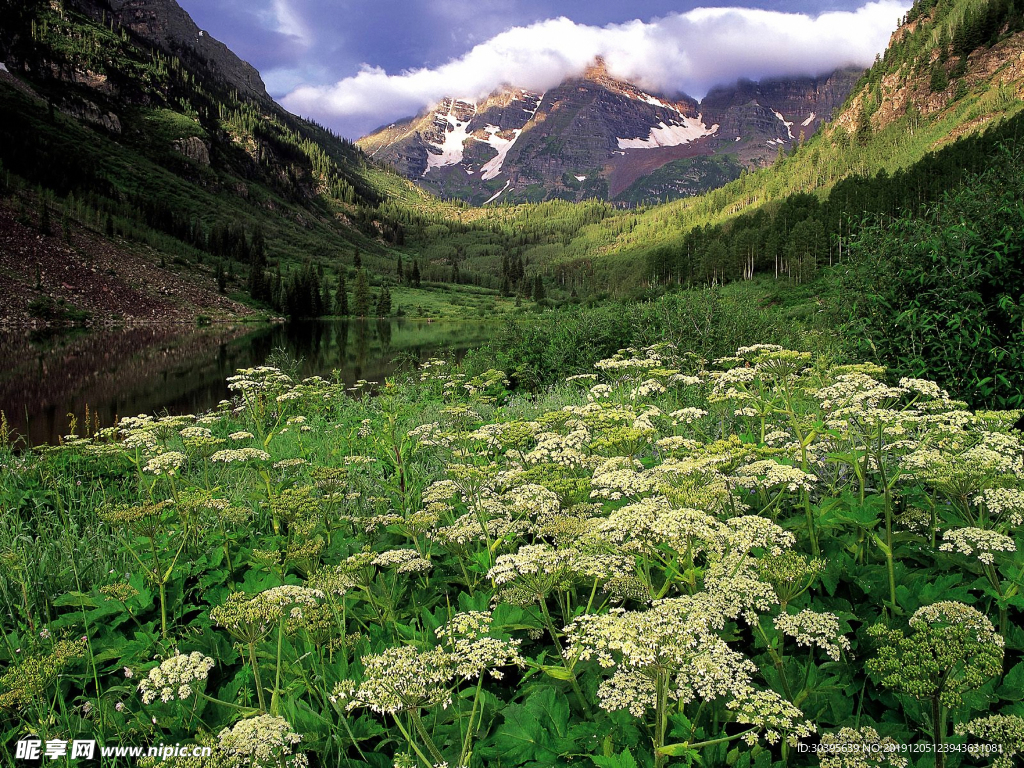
24,682
264,741
860,748
165,463
252,617
1004,731
977,542
174,678
231,456
814,629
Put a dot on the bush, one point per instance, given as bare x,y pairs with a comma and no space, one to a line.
939,295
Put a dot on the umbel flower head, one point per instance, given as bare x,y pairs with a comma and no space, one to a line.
977,542
814,629
951,648
174,678
263,741
407,678
25,681
1004,731
860,748
251,617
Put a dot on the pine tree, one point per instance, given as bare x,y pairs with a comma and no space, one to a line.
222,283
538,289
416,273
325,298
357,260
384,302
361,295
341,297
401,271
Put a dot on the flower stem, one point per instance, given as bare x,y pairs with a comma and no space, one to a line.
417,723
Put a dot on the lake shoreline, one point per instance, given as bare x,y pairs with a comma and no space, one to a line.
51,379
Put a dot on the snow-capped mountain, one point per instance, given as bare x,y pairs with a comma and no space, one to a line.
597,136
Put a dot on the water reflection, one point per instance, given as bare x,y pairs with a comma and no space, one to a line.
183,370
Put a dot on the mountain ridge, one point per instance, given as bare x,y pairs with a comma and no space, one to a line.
596,136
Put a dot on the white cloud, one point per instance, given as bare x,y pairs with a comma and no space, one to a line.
680,53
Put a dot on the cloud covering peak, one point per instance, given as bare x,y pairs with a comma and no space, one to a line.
679,53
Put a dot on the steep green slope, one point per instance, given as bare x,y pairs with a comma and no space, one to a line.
109,130
893,121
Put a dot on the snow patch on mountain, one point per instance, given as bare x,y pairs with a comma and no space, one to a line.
809,120
789,125
498,193
581,178
664,135
501,145
540,99
456,133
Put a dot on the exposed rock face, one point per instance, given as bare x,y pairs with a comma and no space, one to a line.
91,113
194,148
167,25
1000,67
596,136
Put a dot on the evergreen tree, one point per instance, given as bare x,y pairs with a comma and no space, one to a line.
401,271
357,260
222,283
361,295
325,298
384,302
538,289
341,297
416,273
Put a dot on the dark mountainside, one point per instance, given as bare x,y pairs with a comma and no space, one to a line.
131,134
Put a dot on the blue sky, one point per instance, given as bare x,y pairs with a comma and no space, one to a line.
357,64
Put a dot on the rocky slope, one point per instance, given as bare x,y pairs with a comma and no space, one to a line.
943,62
166,25
140,130
598,137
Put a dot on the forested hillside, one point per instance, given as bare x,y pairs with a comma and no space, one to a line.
110,133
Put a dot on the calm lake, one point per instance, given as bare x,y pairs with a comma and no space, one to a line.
175,369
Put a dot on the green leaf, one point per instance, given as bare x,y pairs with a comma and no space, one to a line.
624,760
74,599
559,673
1012,688
682,749
536,730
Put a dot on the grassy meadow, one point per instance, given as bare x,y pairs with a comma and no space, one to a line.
766,558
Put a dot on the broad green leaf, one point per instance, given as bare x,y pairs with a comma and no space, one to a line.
623,760
536,729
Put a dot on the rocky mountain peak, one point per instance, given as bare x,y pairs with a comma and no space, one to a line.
168,26
595,135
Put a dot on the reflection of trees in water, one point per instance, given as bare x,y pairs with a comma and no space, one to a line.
384,329
183,370
362,349
341,336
